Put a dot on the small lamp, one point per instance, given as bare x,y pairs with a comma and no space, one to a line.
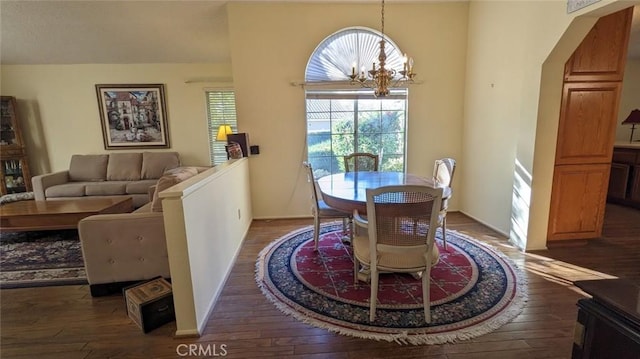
633,118
223,131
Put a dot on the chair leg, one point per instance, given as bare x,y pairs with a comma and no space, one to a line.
373,299
346,225
351,228
316,232
426,292
444,233
356,269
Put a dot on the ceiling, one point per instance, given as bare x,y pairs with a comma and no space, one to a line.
117,32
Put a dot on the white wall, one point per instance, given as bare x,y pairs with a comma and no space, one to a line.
59,109
206,218
270,46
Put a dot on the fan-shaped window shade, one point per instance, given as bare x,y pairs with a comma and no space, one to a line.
336,55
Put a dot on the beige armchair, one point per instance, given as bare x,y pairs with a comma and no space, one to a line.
121,249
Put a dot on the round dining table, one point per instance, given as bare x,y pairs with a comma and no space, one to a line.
347,191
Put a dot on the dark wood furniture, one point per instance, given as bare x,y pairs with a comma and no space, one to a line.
624,181
347,191
58,214
15,176
608,324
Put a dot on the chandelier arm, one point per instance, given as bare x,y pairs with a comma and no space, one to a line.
381,79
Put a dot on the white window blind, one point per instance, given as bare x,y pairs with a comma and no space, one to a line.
221,110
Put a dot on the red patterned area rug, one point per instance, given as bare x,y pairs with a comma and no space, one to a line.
475,289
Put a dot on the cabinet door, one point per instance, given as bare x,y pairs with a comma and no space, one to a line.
603,52
618,180
578,201
15,175
587,126
10,135
635,185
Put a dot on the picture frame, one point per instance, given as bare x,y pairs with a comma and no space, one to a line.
133,116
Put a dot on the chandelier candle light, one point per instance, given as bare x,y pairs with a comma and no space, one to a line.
381,79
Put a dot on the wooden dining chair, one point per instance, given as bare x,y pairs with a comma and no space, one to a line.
401,225
443,170
360,161
320,210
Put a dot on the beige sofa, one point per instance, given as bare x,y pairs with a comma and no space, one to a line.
113,174
121,249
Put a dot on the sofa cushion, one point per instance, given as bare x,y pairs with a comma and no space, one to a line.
201,169
124,166
88,168
169,179
70,189
154,164
109,188
141,186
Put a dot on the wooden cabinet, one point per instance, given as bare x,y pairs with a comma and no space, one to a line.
624,182
586,131
14,168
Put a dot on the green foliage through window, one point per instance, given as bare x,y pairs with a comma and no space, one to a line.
343,122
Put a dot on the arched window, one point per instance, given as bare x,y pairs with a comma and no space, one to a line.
344,118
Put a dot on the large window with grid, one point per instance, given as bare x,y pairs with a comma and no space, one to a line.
340,122
343,118
221,110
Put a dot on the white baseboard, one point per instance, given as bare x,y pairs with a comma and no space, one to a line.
485,223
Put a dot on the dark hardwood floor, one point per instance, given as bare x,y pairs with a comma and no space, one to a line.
617,252
66,322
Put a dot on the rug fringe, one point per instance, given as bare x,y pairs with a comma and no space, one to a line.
516,305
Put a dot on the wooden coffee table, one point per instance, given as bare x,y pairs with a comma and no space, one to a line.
58,214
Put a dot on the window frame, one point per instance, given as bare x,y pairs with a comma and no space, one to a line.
217,149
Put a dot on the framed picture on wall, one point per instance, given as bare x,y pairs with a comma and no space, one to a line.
133,116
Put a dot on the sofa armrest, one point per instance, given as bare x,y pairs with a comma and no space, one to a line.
42,182
124,247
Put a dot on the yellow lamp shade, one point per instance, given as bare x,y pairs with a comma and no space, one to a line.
223,131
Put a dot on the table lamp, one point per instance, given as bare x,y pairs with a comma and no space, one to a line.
633,118
223,131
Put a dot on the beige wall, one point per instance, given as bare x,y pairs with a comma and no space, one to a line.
629,101
270,46
514,79
59,109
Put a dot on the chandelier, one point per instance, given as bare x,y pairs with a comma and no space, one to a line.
380,79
